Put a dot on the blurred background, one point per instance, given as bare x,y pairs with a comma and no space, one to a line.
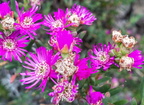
124,15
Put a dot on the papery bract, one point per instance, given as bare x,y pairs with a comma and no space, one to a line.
117,36
128,42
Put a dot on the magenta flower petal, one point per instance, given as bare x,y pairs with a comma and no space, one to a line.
64,42
100,56
94,98
57,22
64,38
138,59
83,70
12,47
41,65
27,21
64,90
5,9
80,15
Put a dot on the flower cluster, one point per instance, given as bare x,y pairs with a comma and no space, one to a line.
119,54
16,30
77,15
64,91
25,22
62,64
125,56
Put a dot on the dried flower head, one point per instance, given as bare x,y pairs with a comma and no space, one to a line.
8,23
128,42
35,2
64,91
126,63
66,66
117,36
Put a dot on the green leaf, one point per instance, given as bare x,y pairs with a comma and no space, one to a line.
28,48
103,80
39,43
142,92
81,83
13,6
19,69
82,34
121,102
133,102
103,89
3,92
115,91
12,65
107,101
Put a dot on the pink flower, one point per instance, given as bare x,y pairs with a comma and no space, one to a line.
64,90
64,42
134,59
137,57
101,57
80,15
94,98
12,46
56,22
5,10
27,21
41,65
83,71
